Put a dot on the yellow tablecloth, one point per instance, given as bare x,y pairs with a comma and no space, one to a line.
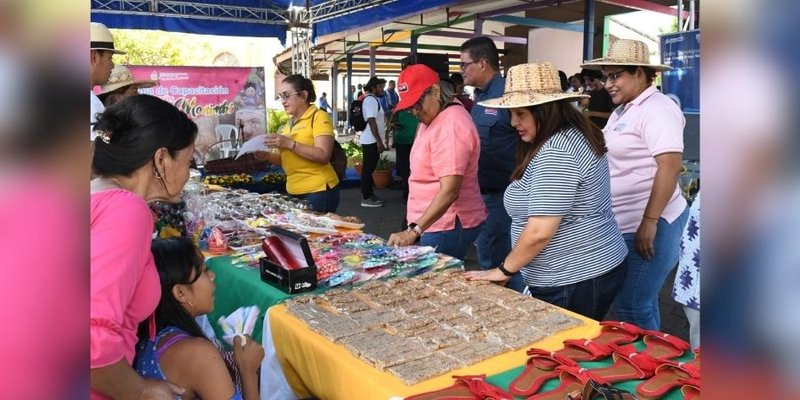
314,366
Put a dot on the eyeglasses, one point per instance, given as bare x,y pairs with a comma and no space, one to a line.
613,76
286,95
417,107
464,65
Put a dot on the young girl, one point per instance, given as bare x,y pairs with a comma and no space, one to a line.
182,354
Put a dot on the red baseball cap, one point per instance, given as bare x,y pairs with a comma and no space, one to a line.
412,82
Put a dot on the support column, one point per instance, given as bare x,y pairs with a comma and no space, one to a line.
372,61
588,30
349,84
478,27
414,41
680,15
335,97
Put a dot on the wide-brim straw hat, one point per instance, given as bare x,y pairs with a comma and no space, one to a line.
626,52
120,77
102,39
529,85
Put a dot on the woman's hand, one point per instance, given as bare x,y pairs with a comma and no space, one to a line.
403,238
249,357
491,275
645,236
278,141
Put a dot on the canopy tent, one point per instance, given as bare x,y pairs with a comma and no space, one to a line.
259,18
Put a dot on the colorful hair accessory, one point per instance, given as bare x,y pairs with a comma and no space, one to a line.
104,135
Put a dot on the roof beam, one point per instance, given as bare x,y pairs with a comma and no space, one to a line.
520,7
189,9
465,35
537,23
643,5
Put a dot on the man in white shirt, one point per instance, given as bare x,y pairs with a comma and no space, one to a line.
371,143
101,48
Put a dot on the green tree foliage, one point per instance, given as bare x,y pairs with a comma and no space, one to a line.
146,47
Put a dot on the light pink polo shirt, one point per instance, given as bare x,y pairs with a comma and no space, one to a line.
448,146
636,132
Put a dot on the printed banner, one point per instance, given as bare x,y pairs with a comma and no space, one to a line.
218,99
681,51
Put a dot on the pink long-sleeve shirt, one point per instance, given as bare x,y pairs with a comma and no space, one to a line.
125,284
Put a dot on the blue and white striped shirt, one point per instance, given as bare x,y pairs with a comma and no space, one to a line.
565,178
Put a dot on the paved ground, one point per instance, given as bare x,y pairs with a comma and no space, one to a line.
387,219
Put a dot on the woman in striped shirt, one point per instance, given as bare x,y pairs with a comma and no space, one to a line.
566,242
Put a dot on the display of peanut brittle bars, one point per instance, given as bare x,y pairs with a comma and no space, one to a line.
417,328
415,371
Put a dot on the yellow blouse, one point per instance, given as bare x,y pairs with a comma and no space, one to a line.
304,176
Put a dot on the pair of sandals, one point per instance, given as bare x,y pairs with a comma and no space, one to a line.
661,376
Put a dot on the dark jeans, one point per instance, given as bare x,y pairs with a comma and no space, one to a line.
370,162
453,242
591,298
403,166
324,201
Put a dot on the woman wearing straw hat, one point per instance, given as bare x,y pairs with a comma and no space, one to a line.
645,145
122,84
445,209
565,240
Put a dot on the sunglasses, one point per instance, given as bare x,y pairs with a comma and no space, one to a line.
612,76
286,95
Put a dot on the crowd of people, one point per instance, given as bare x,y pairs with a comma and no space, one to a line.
579,207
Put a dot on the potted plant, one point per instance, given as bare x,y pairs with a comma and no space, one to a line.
355,156
382,176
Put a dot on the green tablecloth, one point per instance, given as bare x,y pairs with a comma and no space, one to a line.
241,286
504,379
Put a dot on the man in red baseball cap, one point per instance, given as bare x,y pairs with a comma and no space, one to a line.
444,208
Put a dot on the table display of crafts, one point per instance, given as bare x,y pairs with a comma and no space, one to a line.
421,327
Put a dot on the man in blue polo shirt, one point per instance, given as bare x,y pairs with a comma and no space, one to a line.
480,66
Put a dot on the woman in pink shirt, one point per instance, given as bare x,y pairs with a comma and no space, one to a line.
142,153
644,135
445,208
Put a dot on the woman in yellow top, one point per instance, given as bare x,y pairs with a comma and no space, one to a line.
305,144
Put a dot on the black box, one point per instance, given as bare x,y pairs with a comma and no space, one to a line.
291,280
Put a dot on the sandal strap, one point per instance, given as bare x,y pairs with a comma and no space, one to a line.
674,341
645,364
597,350
583,374
688,368
479,387
550,356
627,327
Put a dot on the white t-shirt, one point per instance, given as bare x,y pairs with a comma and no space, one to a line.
371,108
96,107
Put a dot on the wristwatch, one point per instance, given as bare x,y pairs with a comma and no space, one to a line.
503,269
413,227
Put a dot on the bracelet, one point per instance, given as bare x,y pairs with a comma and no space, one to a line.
504,270
294,144
646,217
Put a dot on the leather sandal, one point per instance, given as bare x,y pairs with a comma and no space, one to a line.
585,350
669,375
598,391
691,389
663,346
466,387
572,379
538,370
628,365
616,332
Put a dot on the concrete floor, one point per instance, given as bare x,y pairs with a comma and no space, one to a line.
387,219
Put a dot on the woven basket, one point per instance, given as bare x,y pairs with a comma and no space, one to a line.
228,166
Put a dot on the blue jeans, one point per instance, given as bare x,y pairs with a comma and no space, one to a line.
637,301
494,241
454,242
591,298
324,201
